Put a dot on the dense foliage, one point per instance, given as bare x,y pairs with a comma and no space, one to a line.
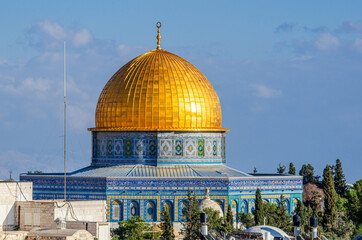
291,169
166,224
305,212
284,220
191,218
220,224
339,179
246,219
339,211
258,211
329,199
307,171
354,206
281,168
229,221
214,220
133,229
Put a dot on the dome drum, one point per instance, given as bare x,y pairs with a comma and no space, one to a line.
158,148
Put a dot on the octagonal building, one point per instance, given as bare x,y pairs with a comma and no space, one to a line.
158,134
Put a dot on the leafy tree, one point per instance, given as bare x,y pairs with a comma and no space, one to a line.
270,210
339,179
132,229
304,213
307,171
283,218
167,225
214,219
354,206
229,221
291,169
191,220
246,219
343,226
315,204
258,211
281,168
329,200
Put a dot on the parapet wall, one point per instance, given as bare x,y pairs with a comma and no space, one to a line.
10,193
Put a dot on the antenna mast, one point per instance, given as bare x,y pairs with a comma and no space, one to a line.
65,126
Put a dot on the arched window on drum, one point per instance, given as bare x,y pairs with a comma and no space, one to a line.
117,211
134,209
151,211
169,205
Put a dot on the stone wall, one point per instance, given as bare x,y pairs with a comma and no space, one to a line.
13,235
10,193
59,234
33,214
91,227
79,210
78,214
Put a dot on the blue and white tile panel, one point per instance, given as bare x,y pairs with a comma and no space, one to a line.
155,148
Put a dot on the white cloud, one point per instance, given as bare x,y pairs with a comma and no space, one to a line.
350,27
82,37
326,42
263,91
53,29
39,87
358,44
54,33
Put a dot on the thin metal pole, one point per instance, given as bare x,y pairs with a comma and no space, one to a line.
65,126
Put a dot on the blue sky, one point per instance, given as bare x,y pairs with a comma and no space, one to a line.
288,75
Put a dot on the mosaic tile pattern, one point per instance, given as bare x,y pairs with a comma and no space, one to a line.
130,196
111,148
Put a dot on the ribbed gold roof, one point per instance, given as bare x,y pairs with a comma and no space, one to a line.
158,91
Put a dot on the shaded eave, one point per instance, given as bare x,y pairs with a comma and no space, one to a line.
133,129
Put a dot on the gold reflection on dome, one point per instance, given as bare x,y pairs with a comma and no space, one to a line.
158,91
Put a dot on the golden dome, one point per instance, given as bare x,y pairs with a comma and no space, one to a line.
158,91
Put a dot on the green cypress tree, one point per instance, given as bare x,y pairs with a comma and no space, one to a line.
191,220
304,213
166,224
339,179
291,169
283,218
329,200
229,221
258,211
